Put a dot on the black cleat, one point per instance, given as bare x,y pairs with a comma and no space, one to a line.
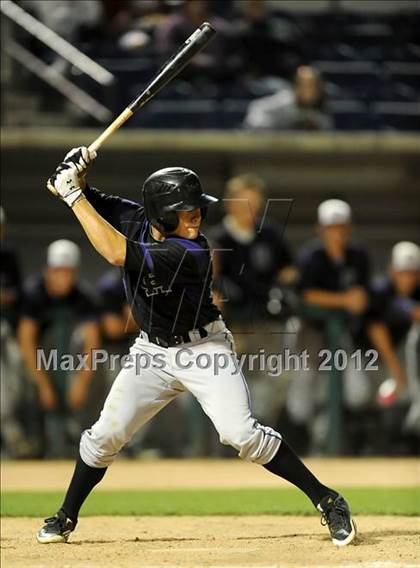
56,529
336,514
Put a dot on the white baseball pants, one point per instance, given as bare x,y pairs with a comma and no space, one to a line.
207,369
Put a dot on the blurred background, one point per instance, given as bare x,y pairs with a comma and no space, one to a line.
294,105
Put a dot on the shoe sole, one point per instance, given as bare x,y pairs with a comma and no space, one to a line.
349,539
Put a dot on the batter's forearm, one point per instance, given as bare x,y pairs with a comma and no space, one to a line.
109,242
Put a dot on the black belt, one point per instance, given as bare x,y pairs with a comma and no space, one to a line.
173,340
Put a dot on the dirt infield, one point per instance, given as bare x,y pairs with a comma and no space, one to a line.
264,541
104,542
190,474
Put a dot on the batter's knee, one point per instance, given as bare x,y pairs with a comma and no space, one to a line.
254,442
99,449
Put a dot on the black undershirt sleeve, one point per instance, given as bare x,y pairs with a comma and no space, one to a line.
112,208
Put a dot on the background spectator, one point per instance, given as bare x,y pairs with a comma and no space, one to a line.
259,33
210,64
252,262
299,107
252,255
334,280
396,306
394,331
367,57
59,314
15,441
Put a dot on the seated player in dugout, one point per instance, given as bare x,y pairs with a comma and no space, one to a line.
167,274
334,279
393,328
334,272
58,313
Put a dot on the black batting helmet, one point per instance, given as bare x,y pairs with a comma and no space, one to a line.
170,190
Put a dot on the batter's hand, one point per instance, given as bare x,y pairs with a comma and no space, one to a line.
81,158
65,183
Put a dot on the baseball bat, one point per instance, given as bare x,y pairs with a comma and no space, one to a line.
195,43
170,69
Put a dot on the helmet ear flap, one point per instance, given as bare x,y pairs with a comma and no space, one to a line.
166,224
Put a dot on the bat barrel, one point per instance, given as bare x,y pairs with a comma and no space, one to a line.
195,43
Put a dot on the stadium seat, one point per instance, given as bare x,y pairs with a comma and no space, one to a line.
351,115
185,114
397,115
359,79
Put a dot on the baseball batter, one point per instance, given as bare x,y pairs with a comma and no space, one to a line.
167,272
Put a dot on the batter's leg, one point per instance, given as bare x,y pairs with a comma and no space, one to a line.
224,397
133,400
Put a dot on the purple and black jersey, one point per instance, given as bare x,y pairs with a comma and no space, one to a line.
168,284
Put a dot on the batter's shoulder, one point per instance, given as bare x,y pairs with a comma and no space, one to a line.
132,211
188,244
190,252
132,219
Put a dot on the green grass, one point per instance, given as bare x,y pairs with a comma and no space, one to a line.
367,501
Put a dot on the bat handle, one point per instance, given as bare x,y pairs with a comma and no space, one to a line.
96,144
115,125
